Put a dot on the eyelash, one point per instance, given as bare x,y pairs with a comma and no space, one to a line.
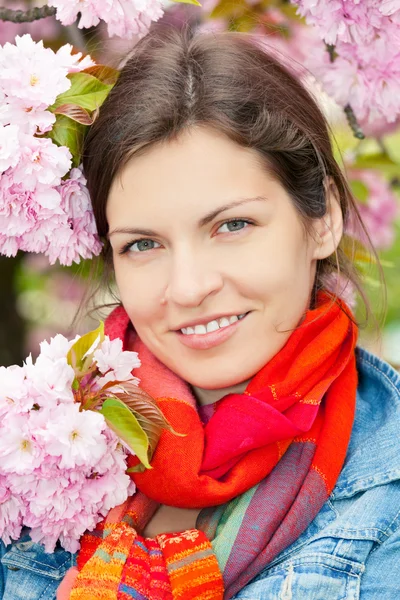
129,245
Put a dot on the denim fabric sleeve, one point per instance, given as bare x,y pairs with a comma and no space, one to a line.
3,550
3,572
380,579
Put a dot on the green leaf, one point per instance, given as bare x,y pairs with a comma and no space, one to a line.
67,132
75,384
380,161
85,91
121,420
290,11
136,469
188,2
360,190
357,252
388,264
371,281
86,345
226,9
147,412
245,23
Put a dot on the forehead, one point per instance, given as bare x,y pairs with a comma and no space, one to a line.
195,172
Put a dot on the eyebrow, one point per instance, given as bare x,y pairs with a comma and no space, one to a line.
210,216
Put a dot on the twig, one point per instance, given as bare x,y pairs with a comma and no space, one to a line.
330,48
26,16
352,121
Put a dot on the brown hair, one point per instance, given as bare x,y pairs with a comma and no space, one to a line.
175,79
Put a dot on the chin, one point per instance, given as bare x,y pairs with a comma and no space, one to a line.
214,383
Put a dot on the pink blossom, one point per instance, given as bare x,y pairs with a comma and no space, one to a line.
11,513
57,221
76,437
61,468
76,235
30,74
27,197
10,150
51,379
19,209
128,18
23,487
379,127
57,348
111,360
389,7
40,211
19,451
29,121
378,213
74,63
342,20
41,162
125,18
365,74
31,78
14,391
108,490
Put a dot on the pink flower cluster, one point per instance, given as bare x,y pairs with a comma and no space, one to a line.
39,210
61,468
366,37
380,211
124,18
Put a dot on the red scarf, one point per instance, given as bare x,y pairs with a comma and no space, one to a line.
284,439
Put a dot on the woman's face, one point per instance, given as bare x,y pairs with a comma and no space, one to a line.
200,232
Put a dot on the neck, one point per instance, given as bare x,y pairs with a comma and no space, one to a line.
205,397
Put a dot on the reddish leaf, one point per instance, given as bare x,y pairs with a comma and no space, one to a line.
76,113
104,73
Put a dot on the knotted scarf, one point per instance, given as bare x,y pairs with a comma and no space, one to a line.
260,464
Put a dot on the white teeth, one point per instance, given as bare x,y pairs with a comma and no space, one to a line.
212,325
200,329
224,322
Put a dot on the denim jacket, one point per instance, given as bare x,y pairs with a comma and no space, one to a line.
350,550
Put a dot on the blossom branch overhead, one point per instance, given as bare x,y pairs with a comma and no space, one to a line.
26,16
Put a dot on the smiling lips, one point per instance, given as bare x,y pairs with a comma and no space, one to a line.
202,337
212,325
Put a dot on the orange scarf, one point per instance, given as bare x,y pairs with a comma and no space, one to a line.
248,433
284,441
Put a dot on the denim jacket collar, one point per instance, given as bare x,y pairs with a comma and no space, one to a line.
371,463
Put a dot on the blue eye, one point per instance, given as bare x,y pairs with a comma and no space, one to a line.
234,225
139,246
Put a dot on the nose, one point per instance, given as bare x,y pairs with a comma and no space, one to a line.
192,279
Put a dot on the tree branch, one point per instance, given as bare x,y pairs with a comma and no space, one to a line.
352,121
27,16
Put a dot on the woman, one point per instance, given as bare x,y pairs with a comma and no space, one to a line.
213,180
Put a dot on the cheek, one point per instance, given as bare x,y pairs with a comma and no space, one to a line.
269,274
139,293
